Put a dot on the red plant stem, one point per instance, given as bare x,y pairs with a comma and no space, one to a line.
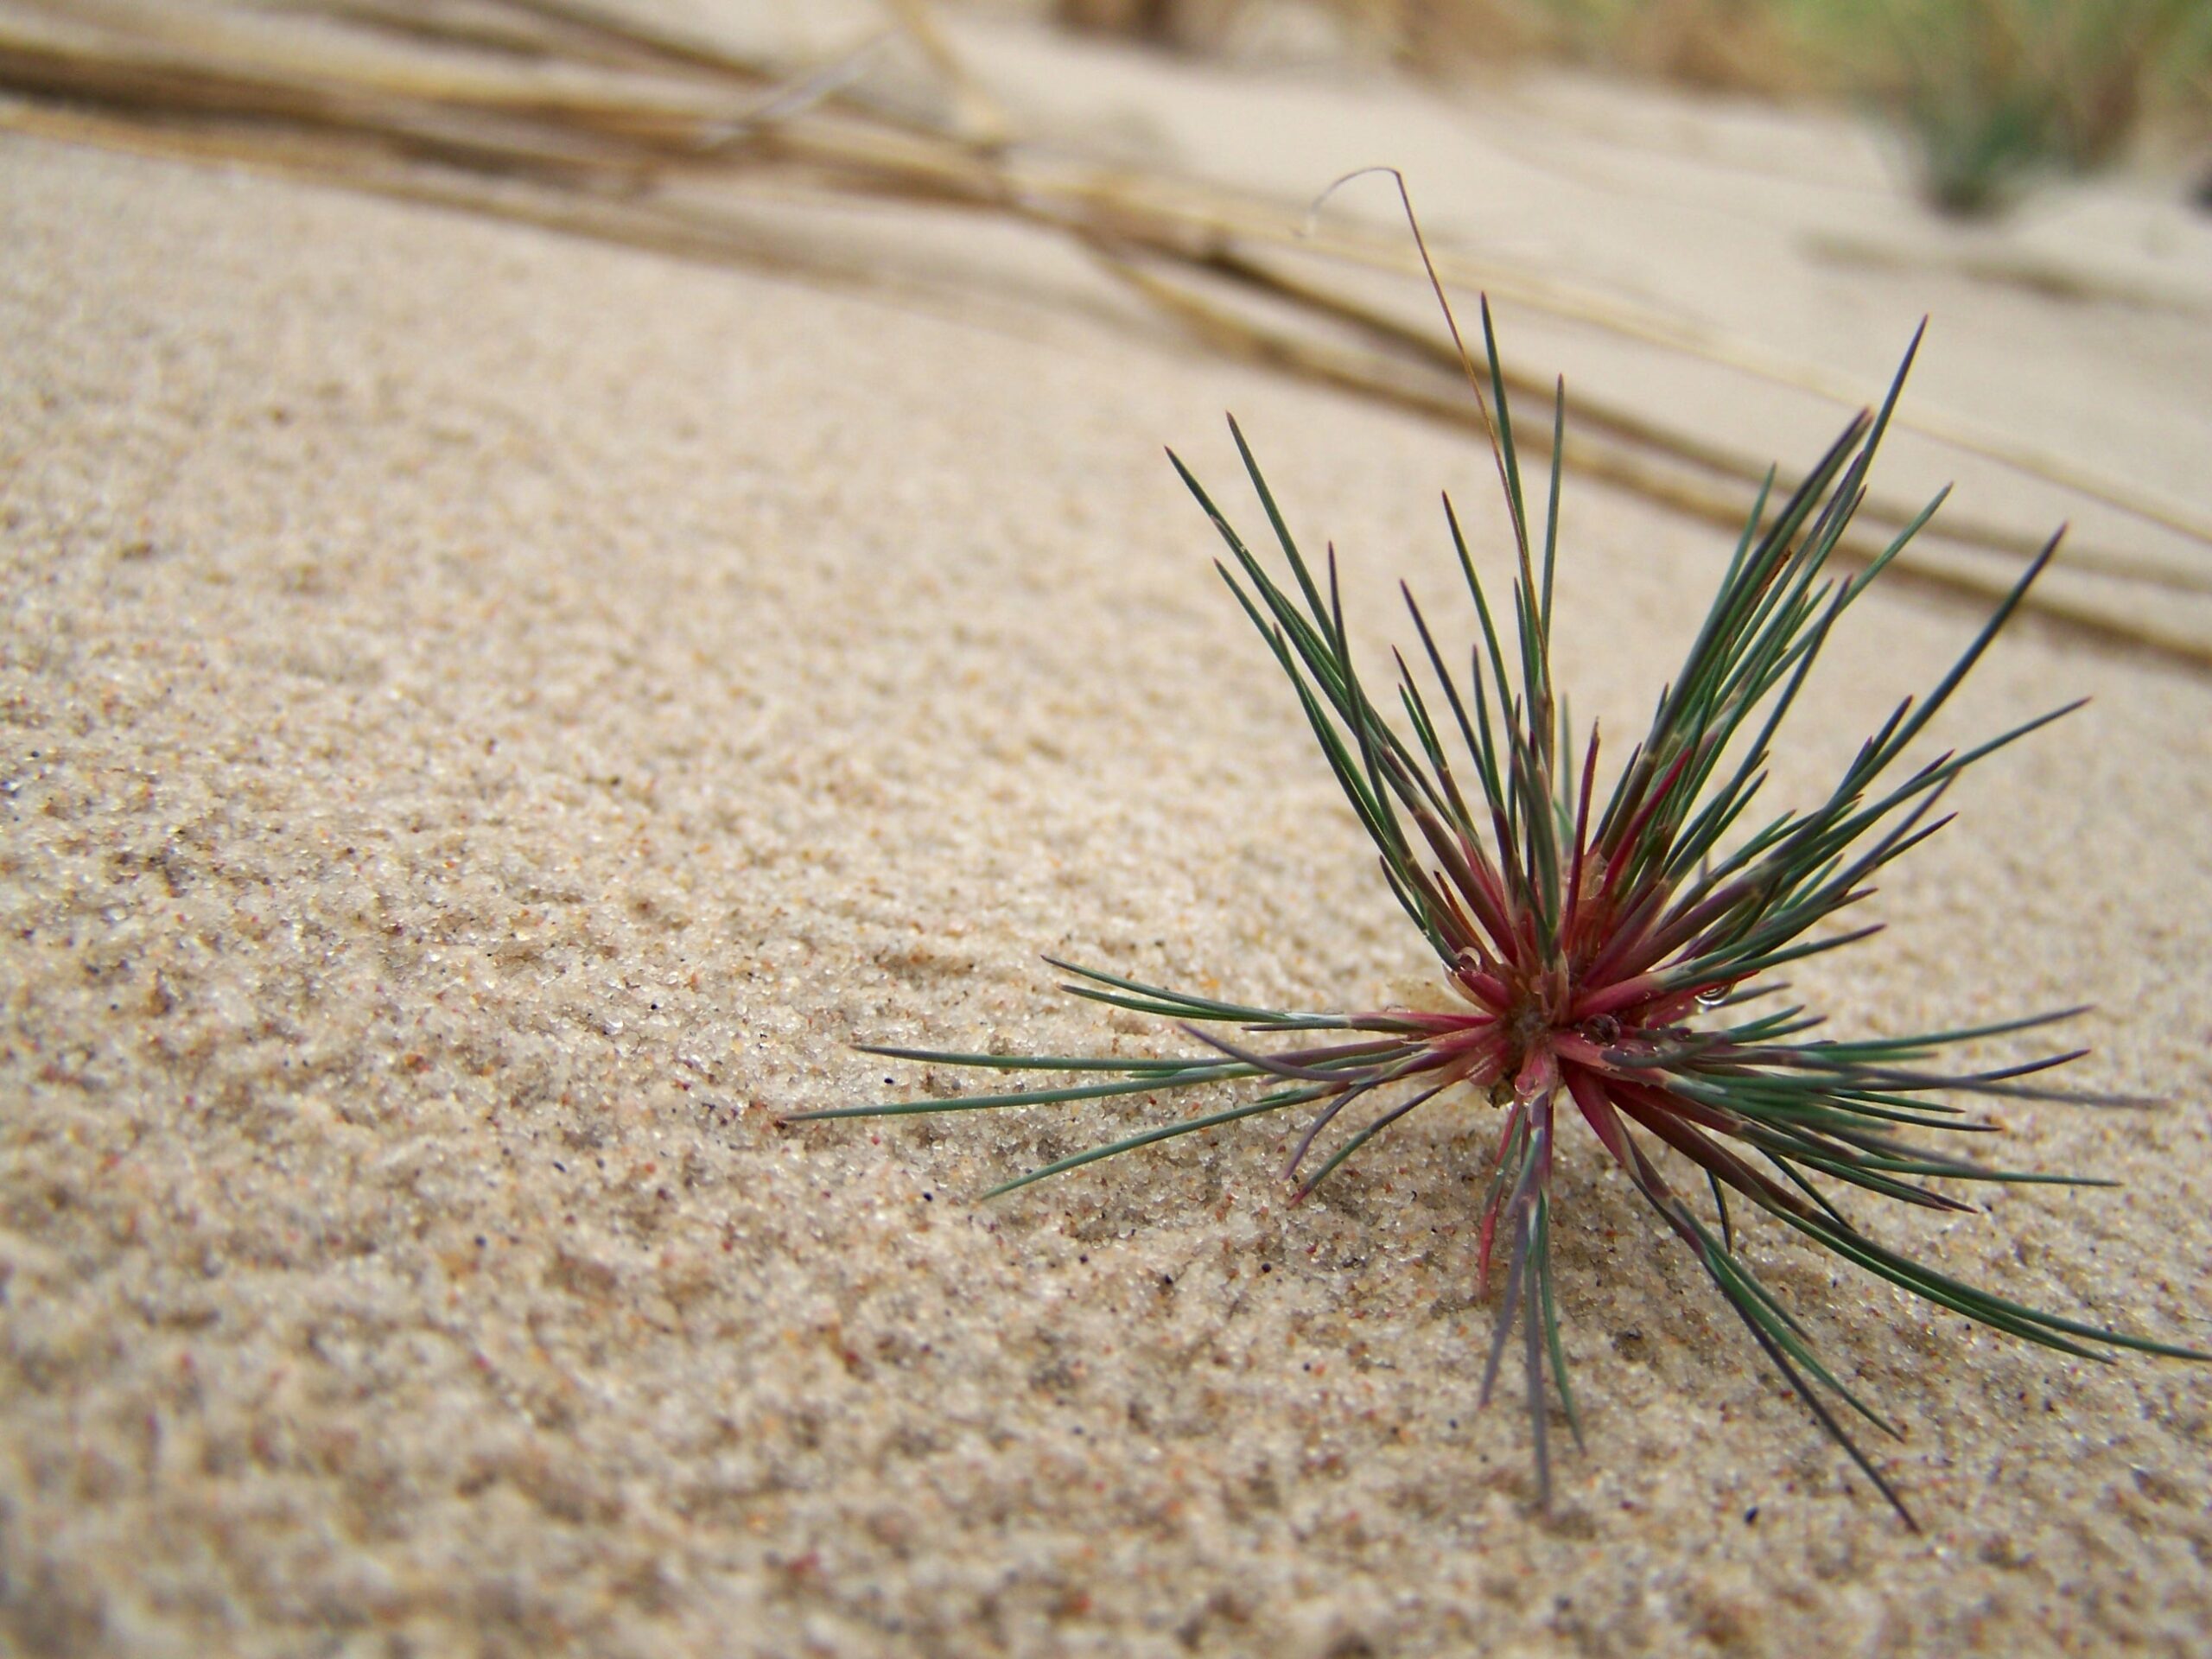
1581,841
1627,934
1575,1049
1627,844
1665,1117
1597,1108
1451,850
1611,999
1486,989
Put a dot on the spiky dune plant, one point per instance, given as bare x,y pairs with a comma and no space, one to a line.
1610,957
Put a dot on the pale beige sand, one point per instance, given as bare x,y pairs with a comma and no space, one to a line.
487,719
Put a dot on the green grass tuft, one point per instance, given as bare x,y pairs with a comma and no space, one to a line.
1612,953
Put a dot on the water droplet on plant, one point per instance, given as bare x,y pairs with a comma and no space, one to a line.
1713,995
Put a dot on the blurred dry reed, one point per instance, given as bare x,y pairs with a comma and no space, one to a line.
583,117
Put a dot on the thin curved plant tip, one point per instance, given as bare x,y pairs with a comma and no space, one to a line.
1612,956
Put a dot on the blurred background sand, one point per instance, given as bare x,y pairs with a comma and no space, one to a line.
509,668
